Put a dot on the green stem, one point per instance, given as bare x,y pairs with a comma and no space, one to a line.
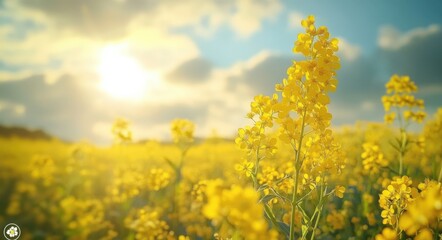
293,211
296,176
440,173
402,151
319,207
178,173
271,216
267,209
316,223
304,234
437,226
401,142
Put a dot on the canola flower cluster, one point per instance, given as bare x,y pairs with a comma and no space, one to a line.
299,110
409,210
288,175
372,158
399,96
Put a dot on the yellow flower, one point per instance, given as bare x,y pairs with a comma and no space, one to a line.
372,158
387,234
395,199
121,131
300,112
158,179
146,224
424,211
424,234
399,95
240,207
246,167
182,131
336,219
390,117
339,191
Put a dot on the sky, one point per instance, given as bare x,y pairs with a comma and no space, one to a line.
71,67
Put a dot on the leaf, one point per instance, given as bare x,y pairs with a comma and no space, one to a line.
267,198
171,163
394,146
284,228
262,187
304,229
305,216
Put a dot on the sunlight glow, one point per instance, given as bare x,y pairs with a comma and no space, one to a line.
122,76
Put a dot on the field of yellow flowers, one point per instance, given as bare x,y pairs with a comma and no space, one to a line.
287,175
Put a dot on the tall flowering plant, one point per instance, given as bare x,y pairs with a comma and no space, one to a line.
299,109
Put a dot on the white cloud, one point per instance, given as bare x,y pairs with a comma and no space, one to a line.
244,17
249,14
392,39
6,75
432,89
368,106
295,19
109,19
76,36
76,54
251,62
15,109
347,50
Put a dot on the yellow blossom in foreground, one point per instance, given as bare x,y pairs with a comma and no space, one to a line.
147,225
387,234
424,211
82,216
240,208
395,199
246,168
424,234
299,110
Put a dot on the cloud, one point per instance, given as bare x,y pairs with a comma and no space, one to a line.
77,108
156,50
53,49
392,39
74,109
12,109
368,106
417,53
109,19
62,108
78,30
347,50
192,71
357,97
295,18
261,72
358,93
248,15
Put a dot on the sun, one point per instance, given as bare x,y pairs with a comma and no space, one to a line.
122,76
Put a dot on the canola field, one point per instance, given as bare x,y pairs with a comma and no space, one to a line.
287,175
